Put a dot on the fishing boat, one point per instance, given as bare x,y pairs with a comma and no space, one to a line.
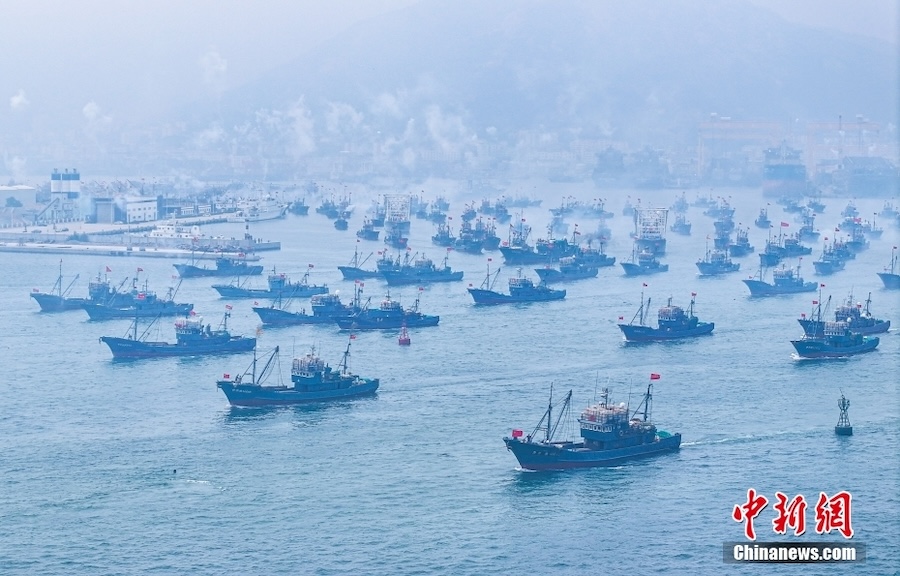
891,275
341,223
858,319
807,231
784,246
521,289
681,225
850,210
888,210
762,221
443,236
420,271
517,251
650,229
674,323
390,315
741,245
312,380
784,281
816,205
829,262
570,268
57,299
611,435
325,308
681,204
837,342
224,266
140,303
279,286
643,263
299,207
354,270
717,262
191,339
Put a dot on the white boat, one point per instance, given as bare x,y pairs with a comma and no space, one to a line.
259,210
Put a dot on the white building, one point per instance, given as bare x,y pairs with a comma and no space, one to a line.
140,209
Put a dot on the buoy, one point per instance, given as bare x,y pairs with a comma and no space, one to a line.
404,340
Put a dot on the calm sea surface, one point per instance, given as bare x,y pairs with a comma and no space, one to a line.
126,468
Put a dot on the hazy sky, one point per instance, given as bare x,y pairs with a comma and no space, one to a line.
105,62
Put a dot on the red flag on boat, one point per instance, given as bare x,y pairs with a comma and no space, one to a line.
255,303
654,376
693,293
227,307
621,317
490,259
311,266
821,285
837,229
36,290
108,269
784,224
226,376
645,284
517,433
141,296
353,336
140,269
815,302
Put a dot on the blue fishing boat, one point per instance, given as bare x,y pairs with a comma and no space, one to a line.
191,339
891,275
443,236
680,205
312,380
829,262
57,299
570,268
224,266
807,231
784,281
299,207
741,245
279,286
354,270
610,436
816,205
325,309
858,319
717,262
368,231
762,221
674,323
837,342
850,210
521,289
518,252
643,263
681,225
782,247
341,223
139,303
390,315
420,271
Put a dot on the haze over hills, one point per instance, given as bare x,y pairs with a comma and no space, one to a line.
463,85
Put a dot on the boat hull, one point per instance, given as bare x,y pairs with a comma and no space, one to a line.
637,333
635,270
541,456
353,273
386,323
402,278
707,269
100,312
126,348
276,317
891,281
758,288
551,275
489,297
191,271
255,396
228,291
824,268
822,349
55,303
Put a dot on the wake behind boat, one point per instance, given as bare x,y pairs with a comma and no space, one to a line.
609,436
